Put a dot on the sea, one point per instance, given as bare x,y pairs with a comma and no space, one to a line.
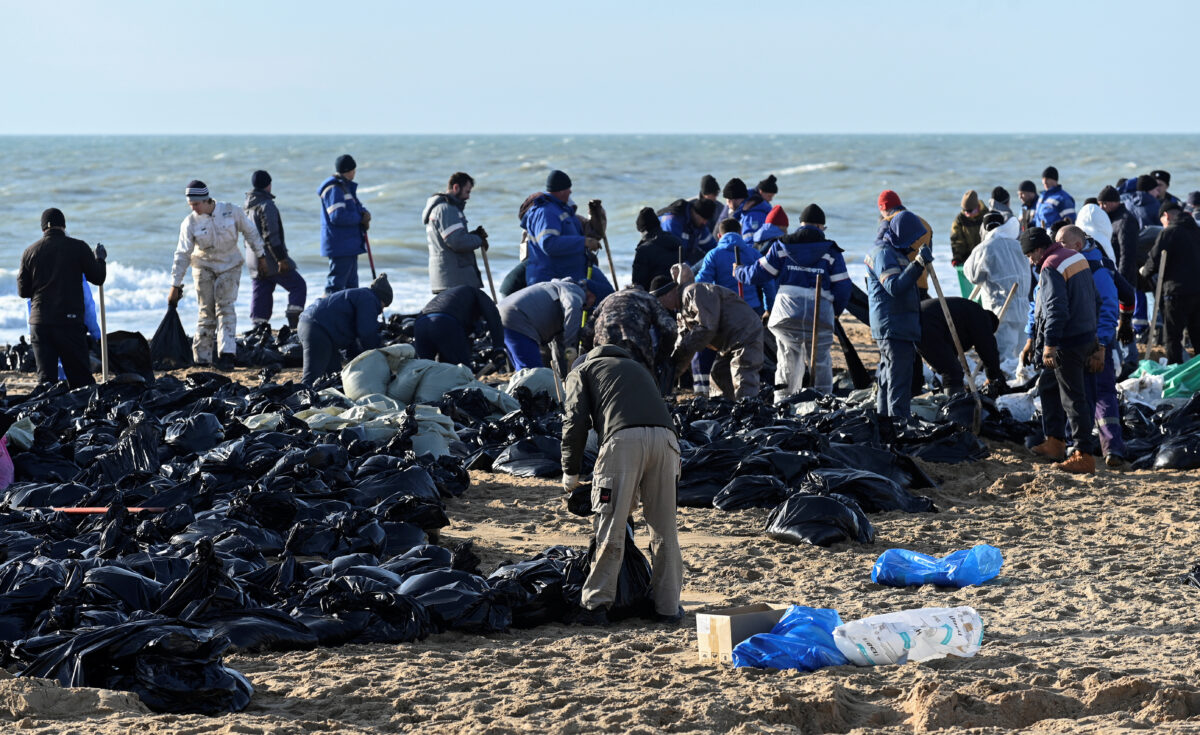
127,192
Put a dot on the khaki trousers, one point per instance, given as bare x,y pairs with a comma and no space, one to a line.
638,463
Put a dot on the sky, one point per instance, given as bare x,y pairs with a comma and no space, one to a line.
468,67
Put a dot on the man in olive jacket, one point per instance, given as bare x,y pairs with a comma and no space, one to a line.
639,460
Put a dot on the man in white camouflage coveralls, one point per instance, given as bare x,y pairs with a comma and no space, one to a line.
208,241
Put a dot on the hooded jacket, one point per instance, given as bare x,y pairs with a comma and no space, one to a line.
260,207
211,241
1106,291
341,218
1053,204
451,247
610,391
556,247
766,235
752,213
676,219
996,265
892,280
547,311
717,267
922,241
793,263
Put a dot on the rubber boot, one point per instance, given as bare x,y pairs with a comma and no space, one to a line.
293,319
1052,448
1078,463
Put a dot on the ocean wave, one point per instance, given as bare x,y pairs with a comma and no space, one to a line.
807,167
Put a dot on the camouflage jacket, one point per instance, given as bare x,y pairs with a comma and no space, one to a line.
633,320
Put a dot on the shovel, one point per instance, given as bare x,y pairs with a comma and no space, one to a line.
977,419
103,337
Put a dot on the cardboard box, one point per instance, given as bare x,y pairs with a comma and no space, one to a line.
718,631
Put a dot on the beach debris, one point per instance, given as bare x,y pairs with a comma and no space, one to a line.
962,568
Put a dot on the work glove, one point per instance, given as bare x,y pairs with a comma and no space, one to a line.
569,482
1027,353
570,354
591,244
1125,328
925,256
1050,357
1095,363
101,253
366,220
174,295
995,388
287,265
263,267
480,232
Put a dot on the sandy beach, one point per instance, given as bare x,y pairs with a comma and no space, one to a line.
1087,628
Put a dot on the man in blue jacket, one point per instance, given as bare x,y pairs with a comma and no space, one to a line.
1064,338
1102,383
749,209
794,262
688,221
344,223
345,320
896,309
557,247
1053,203
718,267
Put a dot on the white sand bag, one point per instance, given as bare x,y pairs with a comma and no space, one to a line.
537,380
911,635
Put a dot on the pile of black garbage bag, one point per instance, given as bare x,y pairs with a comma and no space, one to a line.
217,539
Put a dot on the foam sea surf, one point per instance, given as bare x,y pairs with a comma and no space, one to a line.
127,192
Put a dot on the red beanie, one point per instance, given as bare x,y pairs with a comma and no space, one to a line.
777,217
888,200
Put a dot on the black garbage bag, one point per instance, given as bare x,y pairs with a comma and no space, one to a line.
538,456
705,470
579,502
820,520
379,615
751,491
170,347
421,512
204,589
260,629
873,493
122,588
946,443
1193,577
195,434
129,352
533,589
41,466
459,601
173,666
900,468
633,583
1178,453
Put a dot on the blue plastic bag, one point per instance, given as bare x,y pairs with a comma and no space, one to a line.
802,639
904,568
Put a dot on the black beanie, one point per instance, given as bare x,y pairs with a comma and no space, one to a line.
709,186
768,185
1000,194
647,221
1168,206
1162,176
992,220
1145,182
812,215
382,289
1091,200
1028,186
557,181
260,179
1109,194
1034,238
735,189
706,208
345,164
53,217
1050,173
